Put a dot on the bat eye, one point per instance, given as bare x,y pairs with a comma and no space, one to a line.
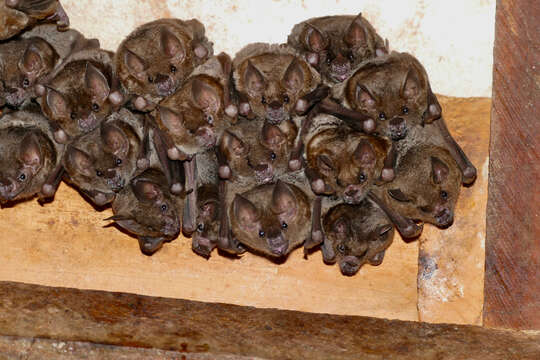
209,119
284,225
95,107
273,156
286,99
173,69
362,177
341,248
164,207
150,79
263,100
350,56
382,116
26,82
444,195
99,173
200,227
261,233
405,110
73,116
118,162
22,177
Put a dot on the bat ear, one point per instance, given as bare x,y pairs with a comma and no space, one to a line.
231,145
314,39
171,46
115,139
31,62
398,195
439,170
135,64
205,96
272,135
294,77
253,79
171,120
244,212
364,97
434,109
355,35
283,200
57,104
146,191
208,210
364,154
412,86
30,152
341,226
96,83
79,161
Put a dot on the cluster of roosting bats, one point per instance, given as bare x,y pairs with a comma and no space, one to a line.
327,141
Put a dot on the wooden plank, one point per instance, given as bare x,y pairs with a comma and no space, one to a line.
190,326
451,262
512,283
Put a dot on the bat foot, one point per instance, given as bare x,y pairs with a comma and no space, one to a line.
143,164
318,186
176,188
116,98
60,137
369,126
388,175
231,110
140,103
295,164
301,106
224,172
244,109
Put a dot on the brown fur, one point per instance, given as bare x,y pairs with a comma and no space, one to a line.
336,45
356,235
156,58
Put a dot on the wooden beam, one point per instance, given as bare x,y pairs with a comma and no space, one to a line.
189,326
512,276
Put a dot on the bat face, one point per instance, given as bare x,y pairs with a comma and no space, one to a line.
258,152
194,116
103,161
27,156
76,100
336,45
145,207
427,186
395,92
273,83
358,234
156,58
271,219
348,162
22,63
205,237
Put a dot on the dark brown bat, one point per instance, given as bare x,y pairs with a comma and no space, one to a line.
336,45
196,115
76,99
23,63
17,15
146,207
29,159
271,219
342,162
273,82
395,91
426,188
100,163
156,58
26,62
256,152
356,235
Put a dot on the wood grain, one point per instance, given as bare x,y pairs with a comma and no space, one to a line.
190,326
512,283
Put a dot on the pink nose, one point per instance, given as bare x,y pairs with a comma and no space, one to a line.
206,137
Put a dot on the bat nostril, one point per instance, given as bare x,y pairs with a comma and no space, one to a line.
275,105
397,121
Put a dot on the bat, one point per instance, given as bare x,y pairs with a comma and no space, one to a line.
154,60
356,235
336,45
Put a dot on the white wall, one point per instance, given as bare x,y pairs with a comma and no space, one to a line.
453,39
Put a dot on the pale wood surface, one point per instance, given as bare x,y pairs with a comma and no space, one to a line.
65,244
